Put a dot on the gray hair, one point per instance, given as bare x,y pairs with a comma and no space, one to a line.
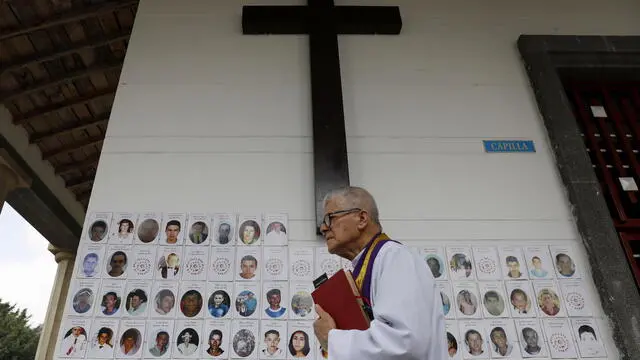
355,197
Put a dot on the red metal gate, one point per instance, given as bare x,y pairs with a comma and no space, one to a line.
609,117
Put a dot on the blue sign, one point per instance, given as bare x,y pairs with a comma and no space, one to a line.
508,146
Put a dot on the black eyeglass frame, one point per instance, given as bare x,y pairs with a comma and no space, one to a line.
326,220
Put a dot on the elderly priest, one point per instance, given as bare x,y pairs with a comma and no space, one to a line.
408,321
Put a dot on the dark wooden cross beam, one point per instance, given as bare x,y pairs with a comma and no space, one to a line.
323,21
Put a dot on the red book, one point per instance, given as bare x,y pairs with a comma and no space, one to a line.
340,297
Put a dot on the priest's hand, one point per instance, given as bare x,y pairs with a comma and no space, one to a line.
322,325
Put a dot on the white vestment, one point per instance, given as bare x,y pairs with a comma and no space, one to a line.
409,322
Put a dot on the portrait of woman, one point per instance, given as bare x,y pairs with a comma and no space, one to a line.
244,342
461,267
467,302
164,301
219,303
299,344
565,265
549,302
188,341
249,232
130,342
520,301
148,230
276,233
125,230
452,345
110,303
191,303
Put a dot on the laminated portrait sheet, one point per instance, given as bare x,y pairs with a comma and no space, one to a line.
454,343
575,298
222,264
325,263
275,263
513,263
467,300
83,294
109,302
301,304
188,339
249,230
494,299
539,262
130,339
565,263
588,338
246,302
102,338
90,260
148,230
215,339
301,340
274,296
142,259
219,300
502,339
194,263
164,299
168,265
159,339
301,263
460,263
97,227
123,228
435,257
559,338
548,298
521,299
173,225
273,340
446,296
73,338
487,263
248,263
137,299
276,229
474,340
532,340
244,340
198,228
191,305
117,262
224,229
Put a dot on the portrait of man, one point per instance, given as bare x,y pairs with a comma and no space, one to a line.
435,265
565,265
110,303
90,265
148,230
102,345
588,342
191,303
224,233
302,303
244,342
130,342
493,302
272,345
188,341
74,342
520,301
276,233
98,230
467,302
246,303
172,230
274,310
500,343
199,232
117,264
82,300
219,303
165,300
461,266
169,266
161,344
249,232
549,302
586,334
248,267
136,302
215,343
474,342
537,271
514,267
531,345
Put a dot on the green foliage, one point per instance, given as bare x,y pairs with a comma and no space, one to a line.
18,341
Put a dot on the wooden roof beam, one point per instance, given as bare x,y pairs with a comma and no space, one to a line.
75,14
80,165
79,182
73,147
81,125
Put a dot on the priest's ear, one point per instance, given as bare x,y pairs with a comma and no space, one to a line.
364,220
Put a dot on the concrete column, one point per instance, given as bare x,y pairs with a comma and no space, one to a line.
57,301
9,180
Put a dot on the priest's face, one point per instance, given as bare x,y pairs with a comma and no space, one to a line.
344,229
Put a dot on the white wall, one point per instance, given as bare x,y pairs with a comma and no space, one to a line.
206,119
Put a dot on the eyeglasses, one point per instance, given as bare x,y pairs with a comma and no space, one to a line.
328,217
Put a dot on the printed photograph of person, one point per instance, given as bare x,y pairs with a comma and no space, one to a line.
74,342
90,265
565,265
452,345
493,302
531,345
246,303
148,230
215,342
500,344
474,342
98,230
249,232
188,341
272,343
161,344
302,303
199,232
549,302
276,233
165,300
125,231
520,301
435,265
514,267
588,342
299,344
537,270
248,267
219,303
224,233
274,310
467,302
169,266
172,231
244,343
82,300
446,303
110,303
136,302
117,264
461,266
191,303
130,342
102,346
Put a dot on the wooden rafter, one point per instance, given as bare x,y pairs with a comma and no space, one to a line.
73,147
49,109
58,53
58,80
76,14
80,165
80,125
80,182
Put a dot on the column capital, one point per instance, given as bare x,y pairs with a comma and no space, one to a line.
61,254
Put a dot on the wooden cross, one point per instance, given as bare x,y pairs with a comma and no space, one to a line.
323,21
